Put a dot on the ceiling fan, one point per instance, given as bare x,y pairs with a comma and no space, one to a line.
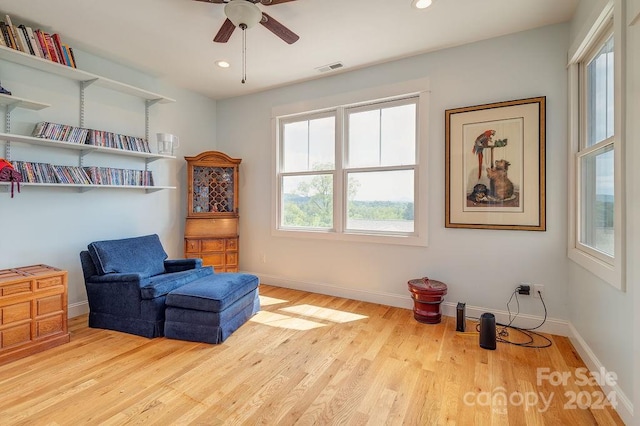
245,14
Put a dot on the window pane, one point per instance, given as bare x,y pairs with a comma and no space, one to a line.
382,137
381,201
309,145
597,200
600,95
307,201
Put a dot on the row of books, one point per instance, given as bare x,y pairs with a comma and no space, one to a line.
111,176
66,133
36,42
48,173
60,132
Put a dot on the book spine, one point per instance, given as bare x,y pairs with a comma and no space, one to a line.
43,44
34,43
58,45
51,47
9,27
5,34
73,58
24,35
17,34
65,53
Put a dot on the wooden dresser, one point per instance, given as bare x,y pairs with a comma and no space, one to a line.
33,310
211,229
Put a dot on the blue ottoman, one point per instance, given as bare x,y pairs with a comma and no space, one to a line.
209,309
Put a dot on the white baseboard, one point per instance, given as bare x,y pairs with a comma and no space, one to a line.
551,326
624,404
77,309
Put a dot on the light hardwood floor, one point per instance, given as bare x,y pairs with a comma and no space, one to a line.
304,359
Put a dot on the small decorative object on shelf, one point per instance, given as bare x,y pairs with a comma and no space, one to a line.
9,174
166,143
4,91
211,230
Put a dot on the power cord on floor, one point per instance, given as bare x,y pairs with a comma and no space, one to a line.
502,334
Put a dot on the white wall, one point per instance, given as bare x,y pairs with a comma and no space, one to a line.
52,225
481,267
602,315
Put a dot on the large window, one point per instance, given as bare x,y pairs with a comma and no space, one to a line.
596,220
351,171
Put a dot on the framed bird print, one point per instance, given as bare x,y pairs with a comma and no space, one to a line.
495,166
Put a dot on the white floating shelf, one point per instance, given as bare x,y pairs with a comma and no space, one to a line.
4,186
21,103
80,147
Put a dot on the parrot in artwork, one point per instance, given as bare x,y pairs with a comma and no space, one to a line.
480,144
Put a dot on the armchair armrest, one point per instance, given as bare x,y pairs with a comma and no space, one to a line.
116,277
177,265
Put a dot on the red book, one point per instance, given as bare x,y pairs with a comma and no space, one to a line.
43,44
51,46
58,45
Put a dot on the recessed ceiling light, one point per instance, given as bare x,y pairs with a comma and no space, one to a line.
421,4
223,64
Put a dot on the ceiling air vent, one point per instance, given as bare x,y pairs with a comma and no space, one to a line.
330,67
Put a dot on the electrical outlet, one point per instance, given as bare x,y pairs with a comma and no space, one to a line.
524,288
538,288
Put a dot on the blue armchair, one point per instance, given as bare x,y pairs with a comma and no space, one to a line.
127,282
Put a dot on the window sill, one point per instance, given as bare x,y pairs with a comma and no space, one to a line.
610,273
348,237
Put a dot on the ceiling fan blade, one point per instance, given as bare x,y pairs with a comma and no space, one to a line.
278,29
270,2
225,31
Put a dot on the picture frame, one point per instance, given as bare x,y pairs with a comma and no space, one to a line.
495,165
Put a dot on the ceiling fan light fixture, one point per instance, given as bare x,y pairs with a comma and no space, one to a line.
242,12
421,4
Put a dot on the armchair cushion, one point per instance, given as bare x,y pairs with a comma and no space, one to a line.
142,255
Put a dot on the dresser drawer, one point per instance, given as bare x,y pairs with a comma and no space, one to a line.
49,325
191,246
11,289
215,259
232,243
47,305
210,245
15,335
48,282
14,313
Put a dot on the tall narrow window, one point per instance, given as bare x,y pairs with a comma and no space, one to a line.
596,100
596,154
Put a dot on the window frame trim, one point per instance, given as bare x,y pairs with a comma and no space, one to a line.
419,88
609,269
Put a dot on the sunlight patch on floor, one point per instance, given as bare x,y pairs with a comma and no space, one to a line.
321,313
268,301
284,321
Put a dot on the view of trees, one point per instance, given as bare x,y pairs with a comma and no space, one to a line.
311,205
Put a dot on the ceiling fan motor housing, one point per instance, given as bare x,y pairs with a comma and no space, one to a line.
242,12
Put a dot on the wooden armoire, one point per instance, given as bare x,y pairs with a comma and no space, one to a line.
211,230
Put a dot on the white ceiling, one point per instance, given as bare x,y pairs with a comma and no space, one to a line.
172,39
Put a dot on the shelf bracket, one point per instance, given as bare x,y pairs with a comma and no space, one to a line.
83,153
7,129
83,86
148,103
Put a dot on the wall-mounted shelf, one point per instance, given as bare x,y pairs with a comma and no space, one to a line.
4,186
50,67
81,147
16,102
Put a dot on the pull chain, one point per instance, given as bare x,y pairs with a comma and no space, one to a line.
244,53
